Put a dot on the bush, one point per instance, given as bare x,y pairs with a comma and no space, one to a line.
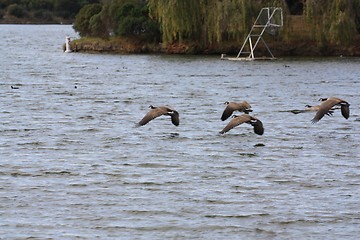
97,27
82,19
36,5
43,15
16,11
133,20
126,18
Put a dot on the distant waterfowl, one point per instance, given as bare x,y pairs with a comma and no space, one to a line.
244,118
14,87
234,106
327,104
159,111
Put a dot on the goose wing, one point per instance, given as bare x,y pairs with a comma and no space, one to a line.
236,121
152,114
324,108
228,111
245,105
175,117
345,110
296,111
258,126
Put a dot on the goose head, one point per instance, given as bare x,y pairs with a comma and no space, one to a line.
345,104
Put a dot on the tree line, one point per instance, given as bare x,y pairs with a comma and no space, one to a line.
42,10
203,22
117,18
212,21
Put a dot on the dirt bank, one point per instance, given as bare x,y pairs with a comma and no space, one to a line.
289,48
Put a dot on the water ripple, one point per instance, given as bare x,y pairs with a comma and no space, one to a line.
72,164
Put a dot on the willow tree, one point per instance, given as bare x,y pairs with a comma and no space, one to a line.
178,20
333,21
203,21
82,23
226,20
342,21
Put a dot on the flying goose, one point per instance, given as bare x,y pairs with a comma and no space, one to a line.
327,104
234,106
313,109
244,118
159,111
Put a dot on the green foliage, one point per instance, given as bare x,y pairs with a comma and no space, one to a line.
342,22
31,8
37,5
97,26
119,18
66,8
333,21
203,21
17,11
356,7
43,15
209,21
82,20
178,20
130,19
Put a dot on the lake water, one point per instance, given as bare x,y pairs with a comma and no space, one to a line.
73,166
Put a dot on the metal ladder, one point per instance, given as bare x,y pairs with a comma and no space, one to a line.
268,20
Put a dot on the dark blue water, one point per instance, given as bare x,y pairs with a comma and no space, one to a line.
73,166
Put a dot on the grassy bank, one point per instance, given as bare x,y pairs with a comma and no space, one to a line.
112,45
291,47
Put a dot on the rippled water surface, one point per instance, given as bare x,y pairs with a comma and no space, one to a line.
73,166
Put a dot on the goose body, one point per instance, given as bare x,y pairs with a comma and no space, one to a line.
244,118
328,104
159,111
234,106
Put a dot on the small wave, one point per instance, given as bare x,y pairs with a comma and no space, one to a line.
248,154
62,172
237,216
156,165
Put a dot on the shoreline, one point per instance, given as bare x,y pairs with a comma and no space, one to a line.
117,45
279,49
20,21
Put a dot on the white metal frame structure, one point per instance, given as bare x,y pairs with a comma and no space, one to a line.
270,19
